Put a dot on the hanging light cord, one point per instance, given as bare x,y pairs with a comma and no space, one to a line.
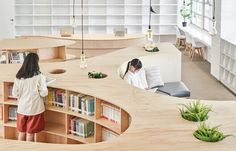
73,11
214,9
82,25
149,27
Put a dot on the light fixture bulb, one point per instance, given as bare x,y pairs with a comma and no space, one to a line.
83,63
149,35
74,23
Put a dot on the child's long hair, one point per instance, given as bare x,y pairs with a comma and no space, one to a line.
29,67
136,63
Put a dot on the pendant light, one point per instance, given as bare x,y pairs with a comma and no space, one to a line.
83,63
149,31
214,30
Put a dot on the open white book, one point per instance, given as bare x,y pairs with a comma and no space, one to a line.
49,80
152,90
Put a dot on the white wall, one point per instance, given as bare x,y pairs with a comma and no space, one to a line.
228,20
216,40
7,29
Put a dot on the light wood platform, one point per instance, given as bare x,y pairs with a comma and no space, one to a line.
98,44
48,49
155,120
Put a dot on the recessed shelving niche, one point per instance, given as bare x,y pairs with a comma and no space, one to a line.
228,65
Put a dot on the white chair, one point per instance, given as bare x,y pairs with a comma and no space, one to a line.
197,47
188,42
180,38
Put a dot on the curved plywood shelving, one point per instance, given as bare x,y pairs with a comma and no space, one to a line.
155,120
58,118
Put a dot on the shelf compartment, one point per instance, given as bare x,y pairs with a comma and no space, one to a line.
110,125
87,140
104,134
24,2
10,133
45,137
55,123
80,129
55,128
90,118
10,124
73,141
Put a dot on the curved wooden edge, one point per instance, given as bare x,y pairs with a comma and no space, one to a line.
156,122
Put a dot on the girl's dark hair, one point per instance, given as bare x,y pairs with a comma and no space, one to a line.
29,67
136,63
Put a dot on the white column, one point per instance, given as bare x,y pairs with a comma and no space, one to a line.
7,29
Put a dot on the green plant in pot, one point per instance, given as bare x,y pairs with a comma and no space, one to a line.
185,12
96,75
209,134
195,111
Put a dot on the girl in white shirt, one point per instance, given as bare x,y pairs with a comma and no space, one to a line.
29,87
131,76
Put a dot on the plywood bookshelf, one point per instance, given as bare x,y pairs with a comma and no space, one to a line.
57,121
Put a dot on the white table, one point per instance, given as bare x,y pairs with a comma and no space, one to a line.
198,34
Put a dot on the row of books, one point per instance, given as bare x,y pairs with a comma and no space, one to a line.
56,98
1,112
81,104
12,113
108,135
110,113
17,57
81,127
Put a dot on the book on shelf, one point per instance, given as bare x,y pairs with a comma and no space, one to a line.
81,127
110,113
108,135
3,57
10,94
81,104
56,98
17,57
1,112
12,112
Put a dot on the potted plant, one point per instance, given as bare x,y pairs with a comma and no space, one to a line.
195,111
185,12
209,134
96,75
151,47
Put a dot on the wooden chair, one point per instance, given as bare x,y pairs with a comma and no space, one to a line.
180,39
188,43
197,47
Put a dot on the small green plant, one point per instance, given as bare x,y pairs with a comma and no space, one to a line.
208,134
155,49
195,111
185,13
96,75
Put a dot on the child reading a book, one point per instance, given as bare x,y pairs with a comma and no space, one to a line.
30,87
131,73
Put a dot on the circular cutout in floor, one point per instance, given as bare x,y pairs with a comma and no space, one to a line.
57,71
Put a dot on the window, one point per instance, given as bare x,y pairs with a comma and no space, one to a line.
202,13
